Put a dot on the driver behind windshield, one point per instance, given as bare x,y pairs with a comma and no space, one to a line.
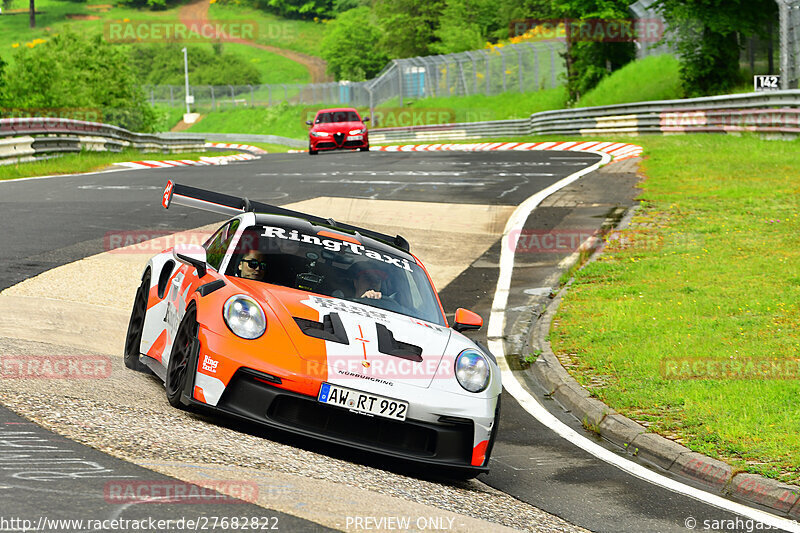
367,281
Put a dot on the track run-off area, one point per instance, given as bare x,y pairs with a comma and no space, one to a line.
67,290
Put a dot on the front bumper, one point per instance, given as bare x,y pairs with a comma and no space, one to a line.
339,142
251,397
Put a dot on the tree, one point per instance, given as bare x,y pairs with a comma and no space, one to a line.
589,61
707,35
32,14
3,96
408,26
73,72
465,25
351,46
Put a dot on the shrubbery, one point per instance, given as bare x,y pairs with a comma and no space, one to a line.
72,72
162,64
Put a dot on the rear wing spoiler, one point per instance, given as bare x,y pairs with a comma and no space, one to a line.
178,194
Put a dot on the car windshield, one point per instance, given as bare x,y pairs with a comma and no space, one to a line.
337,116
330,266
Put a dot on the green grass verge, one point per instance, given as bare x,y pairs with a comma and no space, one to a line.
706,275
289,121
281,119
86,162
651,78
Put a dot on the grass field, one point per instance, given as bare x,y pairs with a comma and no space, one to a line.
689,323
53,17
299,35
651,78
87,162
289,121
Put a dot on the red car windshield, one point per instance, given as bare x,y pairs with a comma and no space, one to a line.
337,116
337,268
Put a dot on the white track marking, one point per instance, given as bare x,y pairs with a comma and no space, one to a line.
537,410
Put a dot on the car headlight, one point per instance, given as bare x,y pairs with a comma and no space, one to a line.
357,132
244,317
472,370
319,133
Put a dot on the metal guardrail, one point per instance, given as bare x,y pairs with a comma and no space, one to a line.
27,139
776,114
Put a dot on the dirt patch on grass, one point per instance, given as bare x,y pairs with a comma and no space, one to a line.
80,16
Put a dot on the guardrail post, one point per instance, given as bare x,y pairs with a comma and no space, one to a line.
213,99
285,93
251,95
520,71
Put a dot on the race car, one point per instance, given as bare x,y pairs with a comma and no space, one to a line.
318,328
337,129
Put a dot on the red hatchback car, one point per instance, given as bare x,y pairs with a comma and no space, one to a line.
337,129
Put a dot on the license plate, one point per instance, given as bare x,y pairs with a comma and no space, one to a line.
362,402
354,137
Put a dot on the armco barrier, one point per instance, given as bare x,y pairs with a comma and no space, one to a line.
26,139
774,114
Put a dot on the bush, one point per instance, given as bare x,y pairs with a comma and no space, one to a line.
72,72
162,64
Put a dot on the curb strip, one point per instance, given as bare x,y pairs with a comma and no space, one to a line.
618,151
203,161
711,474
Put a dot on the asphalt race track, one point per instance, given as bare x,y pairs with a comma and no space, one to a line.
56,221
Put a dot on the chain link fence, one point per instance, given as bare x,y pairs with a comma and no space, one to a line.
521,67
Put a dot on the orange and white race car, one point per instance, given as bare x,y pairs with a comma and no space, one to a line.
318,328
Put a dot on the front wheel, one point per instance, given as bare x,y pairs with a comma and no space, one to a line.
311,152
133,339
180,358
364,148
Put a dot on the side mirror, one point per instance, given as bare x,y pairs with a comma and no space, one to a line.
309,122
466,319
366,119
192,255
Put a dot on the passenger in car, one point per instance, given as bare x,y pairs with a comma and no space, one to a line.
253,265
